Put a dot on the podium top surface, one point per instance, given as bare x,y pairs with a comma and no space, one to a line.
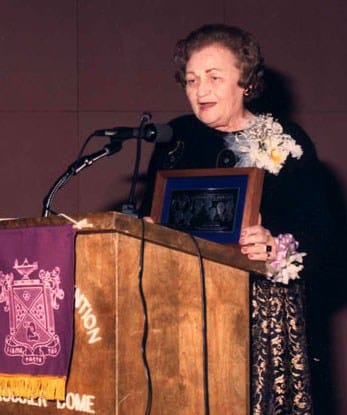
117,222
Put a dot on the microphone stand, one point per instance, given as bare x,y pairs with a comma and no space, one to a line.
129,208
75,168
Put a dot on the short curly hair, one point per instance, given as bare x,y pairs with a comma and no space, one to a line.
241,43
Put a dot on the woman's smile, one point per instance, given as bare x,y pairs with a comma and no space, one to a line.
204,106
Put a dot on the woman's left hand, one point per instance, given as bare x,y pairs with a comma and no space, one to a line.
258,243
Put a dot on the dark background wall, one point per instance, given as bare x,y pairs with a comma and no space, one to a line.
69,67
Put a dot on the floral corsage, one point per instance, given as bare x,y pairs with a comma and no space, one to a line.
263,145
288,262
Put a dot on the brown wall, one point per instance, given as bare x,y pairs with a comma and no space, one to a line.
69,67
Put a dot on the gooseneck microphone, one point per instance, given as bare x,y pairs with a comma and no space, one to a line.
160,133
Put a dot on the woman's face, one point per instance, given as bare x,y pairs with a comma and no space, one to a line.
212,87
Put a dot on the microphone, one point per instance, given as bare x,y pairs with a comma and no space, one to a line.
160,133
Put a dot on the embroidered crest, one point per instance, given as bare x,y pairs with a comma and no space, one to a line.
31,304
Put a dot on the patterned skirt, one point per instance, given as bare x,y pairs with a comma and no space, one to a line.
279,361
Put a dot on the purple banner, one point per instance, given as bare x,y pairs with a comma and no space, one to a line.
36,300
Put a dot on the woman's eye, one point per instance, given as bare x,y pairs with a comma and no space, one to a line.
190,81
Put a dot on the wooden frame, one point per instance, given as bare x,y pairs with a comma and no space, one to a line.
213,204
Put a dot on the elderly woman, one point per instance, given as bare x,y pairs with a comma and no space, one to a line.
220,68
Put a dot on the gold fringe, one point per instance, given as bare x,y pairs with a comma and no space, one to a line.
27,386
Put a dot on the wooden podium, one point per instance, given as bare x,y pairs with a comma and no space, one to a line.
107,374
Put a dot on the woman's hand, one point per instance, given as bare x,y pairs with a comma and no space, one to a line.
258,243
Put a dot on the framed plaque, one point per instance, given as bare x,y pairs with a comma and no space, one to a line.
208,203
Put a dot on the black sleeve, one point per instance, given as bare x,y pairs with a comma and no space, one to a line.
295,202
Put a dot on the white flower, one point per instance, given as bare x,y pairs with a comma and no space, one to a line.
263,145
288,262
